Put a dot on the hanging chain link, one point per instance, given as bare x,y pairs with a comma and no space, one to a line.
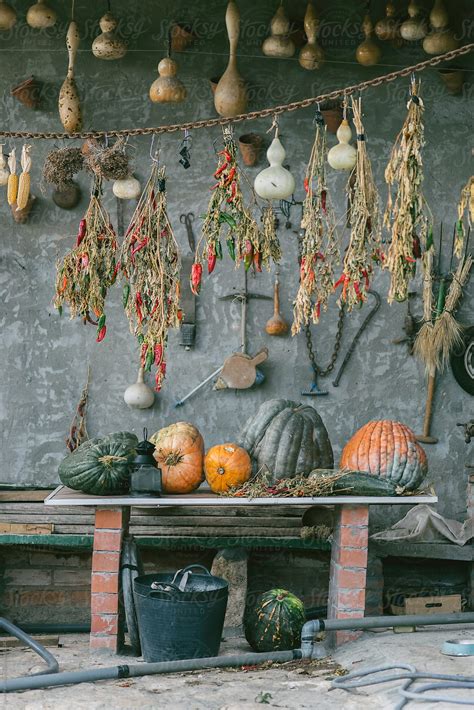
337,346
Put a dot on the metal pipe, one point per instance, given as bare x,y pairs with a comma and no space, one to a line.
142,669
376,622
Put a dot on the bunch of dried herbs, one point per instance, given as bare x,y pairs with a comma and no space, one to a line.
364,249
320,248
150,265
61,166
89,269
110,162
260,486
465,214
405,214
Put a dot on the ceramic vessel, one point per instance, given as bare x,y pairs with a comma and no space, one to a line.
182,37
453,79
230,97
275,182
68,197
28,92
40,16
311,55
167,88
250,144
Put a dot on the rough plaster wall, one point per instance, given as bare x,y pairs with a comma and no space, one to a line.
45,357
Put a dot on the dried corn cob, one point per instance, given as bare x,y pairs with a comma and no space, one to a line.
24,181
12,190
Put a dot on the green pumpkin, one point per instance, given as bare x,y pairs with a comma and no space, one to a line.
100,466
275,622
286,439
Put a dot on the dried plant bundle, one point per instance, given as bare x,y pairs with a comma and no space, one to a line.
151,268
465,213
320,247
423,346
110,163
405,214
298,487
61,166
364,248
86,272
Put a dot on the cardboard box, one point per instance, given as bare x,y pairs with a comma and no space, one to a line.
449,604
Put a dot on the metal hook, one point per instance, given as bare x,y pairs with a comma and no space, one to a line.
154,154
106,140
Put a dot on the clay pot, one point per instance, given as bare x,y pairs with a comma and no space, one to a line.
333,116
181,37
250,144
28,92
21,216
213,82
68,197
453,79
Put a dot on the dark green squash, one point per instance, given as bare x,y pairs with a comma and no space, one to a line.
100,466
275,622
286,439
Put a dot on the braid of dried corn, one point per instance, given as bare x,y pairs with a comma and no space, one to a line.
12,185
405,212
24,181
320,248
364,248
465,205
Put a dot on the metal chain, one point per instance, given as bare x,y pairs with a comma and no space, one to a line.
271,111
337,346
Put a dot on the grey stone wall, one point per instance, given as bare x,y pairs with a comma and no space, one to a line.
44,357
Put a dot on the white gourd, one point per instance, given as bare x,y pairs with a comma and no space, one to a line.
139,395
415,27
343,156
40,16
127,189
275,182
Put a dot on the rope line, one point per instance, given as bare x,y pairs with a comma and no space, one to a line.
251,116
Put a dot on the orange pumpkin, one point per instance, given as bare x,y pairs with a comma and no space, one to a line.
388,449
225,466
179,451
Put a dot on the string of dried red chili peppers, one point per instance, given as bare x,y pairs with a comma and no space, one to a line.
364,249
150,264
405,213
227,217
320,250
86,272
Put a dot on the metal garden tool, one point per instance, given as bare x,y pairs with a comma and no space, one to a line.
188,300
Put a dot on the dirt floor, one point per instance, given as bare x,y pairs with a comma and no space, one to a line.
294,685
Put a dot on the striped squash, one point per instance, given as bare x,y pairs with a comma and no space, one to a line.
387,449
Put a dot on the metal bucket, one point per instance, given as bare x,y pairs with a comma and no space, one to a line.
180,615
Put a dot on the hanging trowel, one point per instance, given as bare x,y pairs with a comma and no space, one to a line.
188,300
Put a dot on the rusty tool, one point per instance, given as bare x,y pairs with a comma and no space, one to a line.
357,336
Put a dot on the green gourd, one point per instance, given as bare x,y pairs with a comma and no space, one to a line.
100,466
275,622
286,439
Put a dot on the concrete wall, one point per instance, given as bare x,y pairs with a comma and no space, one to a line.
45,357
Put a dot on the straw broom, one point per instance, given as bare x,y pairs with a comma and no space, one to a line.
423,347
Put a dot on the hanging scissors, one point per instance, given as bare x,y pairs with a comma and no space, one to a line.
187,219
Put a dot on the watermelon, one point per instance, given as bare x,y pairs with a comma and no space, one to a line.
275,622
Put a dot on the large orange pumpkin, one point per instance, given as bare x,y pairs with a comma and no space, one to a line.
388,449
225,466
179,451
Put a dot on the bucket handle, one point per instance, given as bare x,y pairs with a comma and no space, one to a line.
185,572
189,567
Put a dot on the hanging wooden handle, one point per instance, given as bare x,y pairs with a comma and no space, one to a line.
232,21
72,44
276,298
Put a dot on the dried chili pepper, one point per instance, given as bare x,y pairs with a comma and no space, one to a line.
211,261
248,255
257,260
143,353
306,184
196,276
82,231
125,294
230,241
233,193
101,328
158,354
63,284
218,248
323,200
149,360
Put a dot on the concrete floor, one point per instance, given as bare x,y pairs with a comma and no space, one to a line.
295,685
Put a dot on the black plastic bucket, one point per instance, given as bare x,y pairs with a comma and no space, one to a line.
180,615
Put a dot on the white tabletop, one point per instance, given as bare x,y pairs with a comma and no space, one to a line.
204,497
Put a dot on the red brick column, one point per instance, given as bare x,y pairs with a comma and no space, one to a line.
110,526
348,570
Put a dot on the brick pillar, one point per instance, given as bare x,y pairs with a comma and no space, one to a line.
348,569
110,526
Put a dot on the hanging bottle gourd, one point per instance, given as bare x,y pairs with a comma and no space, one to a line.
40,16
69,104
368,52
167,88
442,38
139,395
4,172
7,16
343,156
108,45
230,97
275,182
415,27
279,44
388,28
311,55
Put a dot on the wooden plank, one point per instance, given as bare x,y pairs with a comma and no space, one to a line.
40,508
7,642
216,543
427,550
24,495
26,528
70,542
49,517
225,531
284,510
215,521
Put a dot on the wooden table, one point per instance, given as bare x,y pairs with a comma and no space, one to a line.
349,549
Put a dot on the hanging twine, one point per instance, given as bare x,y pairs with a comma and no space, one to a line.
263,113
